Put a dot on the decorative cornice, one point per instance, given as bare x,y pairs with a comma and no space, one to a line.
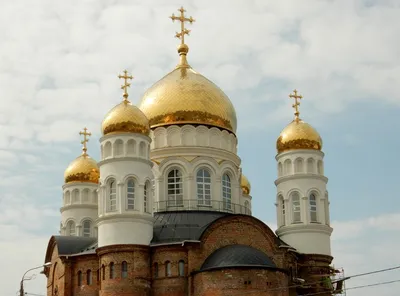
301,176
78,206
125,158
80,185
134,216
125,135
299,152
304,228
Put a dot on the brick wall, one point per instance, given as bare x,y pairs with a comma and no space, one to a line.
138,279
240,282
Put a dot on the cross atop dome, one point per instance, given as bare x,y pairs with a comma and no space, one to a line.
296,104
85,135
126,84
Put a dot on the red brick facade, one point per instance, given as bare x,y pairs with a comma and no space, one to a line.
174,269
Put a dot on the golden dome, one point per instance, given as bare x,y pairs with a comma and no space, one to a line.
184,96
82,169
298,135
125,118
245,184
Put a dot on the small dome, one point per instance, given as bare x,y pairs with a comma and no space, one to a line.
298,135
245,184
237,256
184,96
82,169
125,118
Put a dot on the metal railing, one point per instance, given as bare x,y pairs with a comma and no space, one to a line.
200,205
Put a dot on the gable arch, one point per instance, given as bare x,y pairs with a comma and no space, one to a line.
207,162
108,178
178,162
315,191
262,237
294,190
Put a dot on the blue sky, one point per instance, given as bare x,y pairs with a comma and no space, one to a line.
59,63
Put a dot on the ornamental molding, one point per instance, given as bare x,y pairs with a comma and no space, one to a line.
125,158
301,176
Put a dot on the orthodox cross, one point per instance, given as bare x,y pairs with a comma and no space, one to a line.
126,84
85,139
182,19
296,104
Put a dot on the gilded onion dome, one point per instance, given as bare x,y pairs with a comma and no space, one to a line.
184,96
245,184
125,117
83,168
298,134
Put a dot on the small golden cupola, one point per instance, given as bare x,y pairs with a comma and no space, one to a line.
184,96
83,168
245,185
125,117
298,134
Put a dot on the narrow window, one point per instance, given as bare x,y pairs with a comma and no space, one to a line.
226,192
112,196
86,228
247,207
124,270
313,208
167,268
181,268
155,270
283,212
203,188
80,278
130,194
103,272
296,208
89,277
146,197
112,275
98,275
175,192
71,228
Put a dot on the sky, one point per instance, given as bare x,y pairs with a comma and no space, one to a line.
59,62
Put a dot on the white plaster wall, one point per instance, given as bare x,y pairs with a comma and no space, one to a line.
302,171
80,208
125,156
308,240
125,230
188,135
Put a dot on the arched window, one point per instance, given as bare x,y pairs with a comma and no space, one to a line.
181,267
298,165
85,195
280,169
320,167
167,268
71,228
146,197
124,269
283,212
203,187
118,147
296,208
313,208
112,275
94,197
107,150
103,272
75,196
226,192
175,188
326,205
112,195
247,207
155,271
86,228
131,147
80,278
310,165
89,277
287,167
130,194
67,197
142,149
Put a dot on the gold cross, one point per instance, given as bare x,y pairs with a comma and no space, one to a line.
85,139
126,84
296,104
182,19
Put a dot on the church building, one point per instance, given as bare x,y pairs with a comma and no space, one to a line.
167,211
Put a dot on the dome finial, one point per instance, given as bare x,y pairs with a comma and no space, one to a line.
125,85
296,104
183,49
85,134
